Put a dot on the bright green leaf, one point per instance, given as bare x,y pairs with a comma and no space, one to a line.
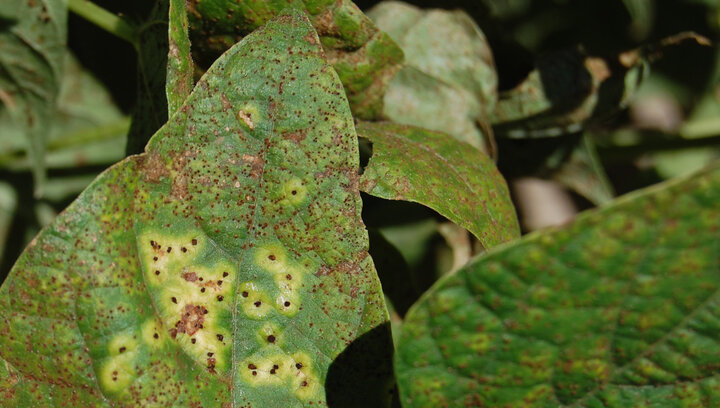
618,309
226,266
32,52
364,57
452,178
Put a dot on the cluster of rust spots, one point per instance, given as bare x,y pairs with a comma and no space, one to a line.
191,320
211,363
154,168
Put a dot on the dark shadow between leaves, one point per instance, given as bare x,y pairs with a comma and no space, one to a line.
362,375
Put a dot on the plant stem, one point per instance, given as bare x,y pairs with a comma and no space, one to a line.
106,20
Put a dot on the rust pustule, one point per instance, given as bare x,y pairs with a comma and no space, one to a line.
191,320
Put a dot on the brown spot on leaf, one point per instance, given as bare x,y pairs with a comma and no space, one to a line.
256,164
190,276
191,320
245,117
154,168
295,136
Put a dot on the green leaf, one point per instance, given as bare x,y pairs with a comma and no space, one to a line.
32,51
88,128
226,266
364,57
449,82
453,178
618,309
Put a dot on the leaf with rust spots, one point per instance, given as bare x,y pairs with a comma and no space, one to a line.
180,65
365,58
449,176
180,268
618,309
32,56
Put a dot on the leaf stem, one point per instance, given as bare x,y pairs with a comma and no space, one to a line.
106,20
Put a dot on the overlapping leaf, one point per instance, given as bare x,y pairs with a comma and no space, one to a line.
451,177
32,52
618,309
227,266
449,82
364,57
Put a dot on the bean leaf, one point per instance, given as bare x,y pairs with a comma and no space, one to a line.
32,54
226,266
618,309
451,177
364,57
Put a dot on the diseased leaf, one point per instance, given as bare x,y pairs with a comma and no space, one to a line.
452,178
618,309
226,266
180,65
32,52
364,57
449,83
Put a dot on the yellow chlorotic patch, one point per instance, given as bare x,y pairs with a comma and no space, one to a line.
162,254
287,304
269,334
193,300
305,383
277,369
254,302
121,344
153,333
117,372
290,280
272,258
295,191
306,386
274,369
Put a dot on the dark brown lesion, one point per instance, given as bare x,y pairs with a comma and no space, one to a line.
191,320
190,276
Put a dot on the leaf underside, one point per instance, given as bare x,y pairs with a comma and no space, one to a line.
619,309
227,266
